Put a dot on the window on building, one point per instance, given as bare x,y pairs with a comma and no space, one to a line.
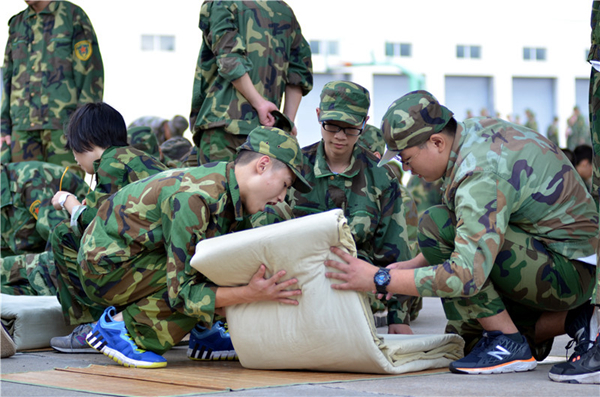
534,54
315,47
398,49
324,47
158,43
468,51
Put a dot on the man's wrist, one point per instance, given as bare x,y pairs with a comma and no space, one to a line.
63,199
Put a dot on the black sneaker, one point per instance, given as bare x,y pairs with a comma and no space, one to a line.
583,329
495,353
584,368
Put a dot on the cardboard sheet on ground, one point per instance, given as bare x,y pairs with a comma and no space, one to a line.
33,320
329,330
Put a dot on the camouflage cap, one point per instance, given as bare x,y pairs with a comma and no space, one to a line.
176,148
411,120
278,144
143,139
344,101
282,121
372,139
177,125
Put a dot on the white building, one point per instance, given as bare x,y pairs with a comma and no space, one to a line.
471,54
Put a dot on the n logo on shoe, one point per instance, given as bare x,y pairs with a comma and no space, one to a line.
499,353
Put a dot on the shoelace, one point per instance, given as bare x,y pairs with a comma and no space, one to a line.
580,348
137,348
481,346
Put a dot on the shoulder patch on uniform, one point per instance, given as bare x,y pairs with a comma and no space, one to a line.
34,208
83,50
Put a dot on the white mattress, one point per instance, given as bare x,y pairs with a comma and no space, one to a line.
329,330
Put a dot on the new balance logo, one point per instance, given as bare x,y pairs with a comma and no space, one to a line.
500,353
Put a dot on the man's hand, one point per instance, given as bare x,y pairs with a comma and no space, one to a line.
262,289
357,274
264,109
5,139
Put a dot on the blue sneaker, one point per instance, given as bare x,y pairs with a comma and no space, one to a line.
112,339
211,344
496,353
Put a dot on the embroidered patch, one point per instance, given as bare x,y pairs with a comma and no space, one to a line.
34,208
83,50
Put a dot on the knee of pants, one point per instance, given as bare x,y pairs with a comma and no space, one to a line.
436,233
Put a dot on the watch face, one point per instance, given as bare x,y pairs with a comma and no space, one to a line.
382,278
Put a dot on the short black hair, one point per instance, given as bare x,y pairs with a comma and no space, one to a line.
95,124
569,154
583,152
246,156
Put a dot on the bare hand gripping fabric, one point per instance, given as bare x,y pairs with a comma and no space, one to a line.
329,330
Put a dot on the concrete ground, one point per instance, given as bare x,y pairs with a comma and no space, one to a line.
431,320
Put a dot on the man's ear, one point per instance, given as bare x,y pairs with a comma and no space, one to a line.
262,164
439,141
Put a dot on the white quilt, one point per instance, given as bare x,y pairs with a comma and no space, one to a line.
329,330
34,320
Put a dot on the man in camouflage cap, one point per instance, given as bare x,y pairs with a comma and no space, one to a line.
252,55
162,129
52,65
502,250
136,254
345,175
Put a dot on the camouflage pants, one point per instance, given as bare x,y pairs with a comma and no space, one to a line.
595,131
28,274
218,145
43,145
526,280
77,308
138,287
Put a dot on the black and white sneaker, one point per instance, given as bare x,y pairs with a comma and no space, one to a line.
496,353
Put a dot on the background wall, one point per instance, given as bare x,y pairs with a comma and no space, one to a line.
159,82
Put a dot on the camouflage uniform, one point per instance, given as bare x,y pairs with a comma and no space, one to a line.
118,167
136,254
29,274
408,307
177,126
512,223
174,150
552,134
52,65
426,194
28,218
27,212
143,139
594,98
579,133
260,38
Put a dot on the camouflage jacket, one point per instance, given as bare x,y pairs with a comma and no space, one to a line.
370,197
156,125
502,174
118,167
594,54
52,65
426,194
261,38
166,215
27,212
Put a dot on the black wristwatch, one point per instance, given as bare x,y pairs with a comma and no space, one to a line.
382,280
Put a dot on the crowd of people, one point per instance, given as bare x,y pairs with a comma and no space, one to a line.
497,221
